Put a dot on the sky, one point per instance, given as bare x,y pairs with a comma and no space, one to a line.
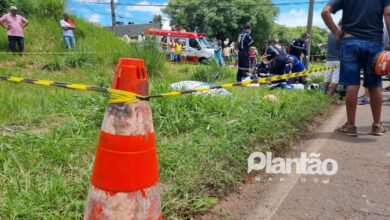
290,15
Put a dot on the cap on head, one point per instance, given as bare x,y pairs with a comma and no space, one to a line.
13,8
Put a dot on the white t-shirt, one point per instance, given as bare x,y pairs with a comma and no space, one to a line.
64,24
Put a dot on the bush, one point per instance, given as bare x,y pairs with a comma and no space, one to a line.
4,6
210,73
42,8
55,64
78,59
155,59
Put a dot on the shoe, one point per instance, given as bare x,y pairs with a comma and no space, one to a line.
348,130
363,101
378,130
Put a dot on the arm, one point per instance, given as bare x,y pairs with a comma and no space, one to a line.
269,54
24,22
328,20
2,23
250,41
65,25
387,22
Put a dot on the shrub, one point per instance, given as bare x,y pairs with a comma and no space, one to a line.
55,64
78,59
42,8
4,6
209,73
148,50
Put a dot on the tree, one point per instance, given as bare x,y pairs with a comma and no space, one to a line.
224,18
157,19
4,6
287,34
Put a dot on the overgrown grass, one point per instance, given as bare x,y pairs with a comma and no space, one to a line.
48,136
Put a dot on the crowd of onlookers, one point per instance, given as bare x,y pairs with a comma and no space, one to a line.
14,24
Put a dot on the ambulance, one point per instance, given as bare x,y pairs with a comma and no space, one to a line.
196,47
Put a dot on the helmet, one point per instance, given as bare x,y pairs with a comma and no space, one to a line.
381,63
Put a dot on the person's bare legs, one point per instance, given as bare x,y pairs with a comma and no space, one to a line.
366,93
333,89
351,104
326,86
376,103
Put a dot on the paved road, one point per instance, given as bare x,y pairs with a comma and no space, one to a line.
360,189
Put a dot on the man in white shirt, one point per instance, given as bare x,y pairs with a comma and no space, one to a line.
68,26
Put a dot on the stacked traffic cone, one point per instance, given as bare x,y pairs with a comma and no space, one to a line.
124,183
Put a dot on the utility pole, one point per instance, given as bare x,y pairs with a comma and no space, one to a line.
113,16
309,31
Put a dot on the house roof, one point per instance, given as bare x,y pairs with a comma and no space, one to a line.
133,29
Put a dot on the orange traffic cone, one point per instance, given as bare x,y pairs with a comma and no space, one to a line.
124,183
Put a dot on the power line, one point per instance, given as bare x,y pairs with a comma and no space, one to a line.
109,14
218,5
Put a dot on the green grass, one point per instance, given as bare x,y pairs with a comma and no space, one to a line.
48,136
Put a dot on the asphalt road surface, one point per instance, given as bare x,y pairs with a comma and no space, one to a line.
359,190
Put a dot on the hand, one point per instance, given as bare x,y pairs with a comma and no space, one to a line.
339,34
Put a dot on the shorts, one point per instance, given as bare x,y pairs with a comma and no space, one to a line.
357,54
13,40
333,75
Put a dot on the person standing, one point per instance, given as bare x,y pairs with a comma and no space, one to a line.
332,61
178,51
68,26
227,54
361,34
14,24
253,53
298,47
218,52
171,47
245,41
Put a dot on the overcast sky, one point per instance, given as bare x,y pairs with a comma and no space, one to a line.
290,15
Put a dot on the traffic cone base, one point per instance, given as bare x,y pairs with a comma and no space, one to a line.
141,205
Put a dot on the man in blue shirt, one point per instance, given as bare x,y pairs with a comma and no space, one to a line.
361,34
295,66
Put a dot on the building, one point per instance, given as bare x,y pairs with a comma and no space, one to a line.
133,29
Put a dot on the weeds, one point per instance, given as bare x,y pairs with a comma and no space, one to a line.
78,59
56,63
211,73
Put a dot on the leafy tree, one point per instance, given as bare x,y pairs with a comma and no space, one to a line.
4,6
287,34
157,19
224,18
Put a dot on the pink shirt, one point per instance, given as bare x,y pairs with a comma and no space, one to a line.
14,23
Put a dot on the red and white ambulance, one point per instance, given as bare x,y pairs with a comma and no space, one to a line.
197,49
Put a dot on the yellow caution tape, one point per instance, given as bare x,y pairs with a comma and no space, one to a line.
120,96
